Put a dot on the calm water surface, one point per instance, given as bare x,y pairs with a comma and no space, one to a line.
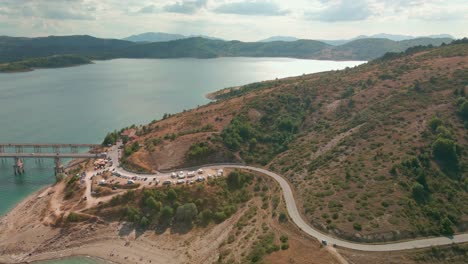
81,104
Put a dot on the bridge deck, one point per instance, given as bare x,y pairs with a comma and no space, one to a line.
31,145
52,155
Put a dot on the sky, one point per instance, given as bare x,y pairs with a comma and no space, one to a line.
246,20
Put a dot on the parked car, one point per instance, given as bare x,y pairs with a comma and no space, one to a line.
167,182
200,179
180,181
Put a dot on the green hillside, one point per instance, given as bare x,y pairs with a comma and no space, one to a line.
15,49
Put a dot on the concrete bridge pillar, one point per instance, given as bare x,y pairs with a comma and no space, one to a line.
58,166
19,166
56,149
74,149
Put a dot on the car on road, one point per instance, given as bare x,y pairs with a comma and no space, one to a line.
181,175
200,179
181,181
167,182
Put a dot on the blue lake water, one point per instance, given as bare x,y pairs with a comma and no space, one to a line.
81,104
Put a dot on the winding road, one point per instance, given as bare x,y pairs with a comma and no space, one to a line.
304,226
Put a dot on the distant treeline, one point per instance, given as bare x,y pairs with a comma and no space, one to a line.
17,49
47,62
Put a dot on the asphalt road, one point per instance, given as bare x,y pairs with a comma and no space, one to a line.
305,227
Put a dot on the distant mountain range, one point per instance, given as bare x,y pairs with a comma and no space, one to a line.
161,37
344,41
16,49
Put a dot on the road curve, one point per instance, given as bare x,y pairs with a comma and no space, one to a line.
299,221
305,227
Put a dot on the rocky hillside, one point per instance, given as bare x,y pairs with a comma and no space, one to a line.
376,152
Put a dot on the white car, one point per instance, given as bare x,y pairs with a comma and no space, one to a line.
191,174
181,175
200,179
180,181
173,175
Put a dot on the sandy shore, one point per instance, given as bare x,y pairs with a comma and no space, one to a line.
27,234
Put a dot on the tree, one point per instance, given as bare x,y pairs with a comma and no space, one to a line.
186,213
237,179
166,213
110,139
463,110
446,227
419,193
434,123
205,216
144,222
153,204
445,149
171,195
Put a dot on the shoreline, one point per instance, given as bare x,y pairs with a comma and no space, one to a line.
212,95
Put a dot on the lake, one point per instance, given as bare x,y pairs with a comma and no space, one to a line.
81,104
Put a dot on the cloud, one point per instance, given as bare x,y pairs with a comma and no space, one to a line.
185,7
341,10
50,9
251,8
148,9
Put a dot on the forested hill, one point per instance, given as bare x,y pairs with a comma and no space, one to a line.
377,152
15,49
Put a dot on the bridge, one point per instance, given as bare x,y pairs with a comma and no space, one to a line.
20,151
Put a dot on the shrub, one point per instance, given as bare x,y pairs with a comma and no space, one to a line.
186,213
237,179
282,217
434,123
357,226
463,110
166,213
445,149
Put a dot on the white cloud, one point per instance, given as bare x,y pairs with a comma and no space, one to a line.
234,19
251,7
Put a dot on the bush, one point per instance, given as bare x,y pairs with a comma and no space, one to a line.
434,123
237,179
171,195
73,217
446,150
282,217
419,192
357,226
166,213
59,177
463,110
186,213
110,139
